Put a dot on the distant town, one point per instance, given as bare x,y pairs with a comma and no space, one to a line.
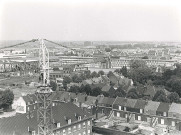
90,88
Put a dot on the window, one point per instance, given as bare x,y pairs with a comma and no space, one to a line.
88,123
120,108
33,133
124,108
126,115
34,106
79,118
141,110
118,114
58,124
164,114
88,132
84,133
79,127
28,109
53,104
84,125
173,123
74,128
69,130
79,133
64,132
69,121
139,117
162,121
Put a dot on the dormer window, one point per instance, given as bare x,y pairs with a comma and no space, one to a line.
79,117
69,121
164,114
58,125
120,108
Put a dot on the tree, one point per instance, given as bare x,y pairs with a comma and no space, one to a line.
101,73
96,91
86,89
134,64
109,74
119,92
141,74
132,94
94,74
75,89
66,80
7,98
174,97
53,85
76,79
157,94
87,74
124,71
162,98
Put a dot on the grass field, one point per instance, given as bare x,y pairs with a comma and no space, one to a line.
18,86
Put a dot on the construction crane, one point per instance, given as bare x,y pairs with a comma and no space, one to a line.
43,92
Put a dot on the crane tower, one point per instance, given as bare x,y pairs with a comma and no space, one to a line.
43,94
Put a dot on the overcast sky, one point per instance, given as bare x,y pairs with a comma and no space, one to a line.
143,20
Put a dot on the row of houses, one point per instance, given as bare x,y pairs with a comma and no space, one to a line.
167,115
67,119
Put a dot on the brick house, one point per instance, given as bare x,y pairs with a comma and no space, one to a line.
69,120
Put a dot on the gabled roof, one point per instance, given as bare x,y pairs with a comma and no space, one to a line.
90,100
120,101
152,105
20,123
106,88
175,108
106,100
163,107
131,103
140,104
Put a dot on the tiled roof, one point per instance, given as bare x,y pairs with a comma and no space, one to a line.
175,108
131,103
120,101
90,100
140,104
152,105
106,88
106,100
163,107
20,123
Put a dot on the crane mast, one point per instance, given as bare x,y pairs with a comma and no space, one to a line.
44,62
43,94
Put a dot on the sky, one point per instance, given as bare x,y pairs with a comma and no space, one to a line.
95,20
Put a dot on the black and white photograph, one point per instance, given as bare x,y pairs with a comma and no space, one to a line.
90,67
